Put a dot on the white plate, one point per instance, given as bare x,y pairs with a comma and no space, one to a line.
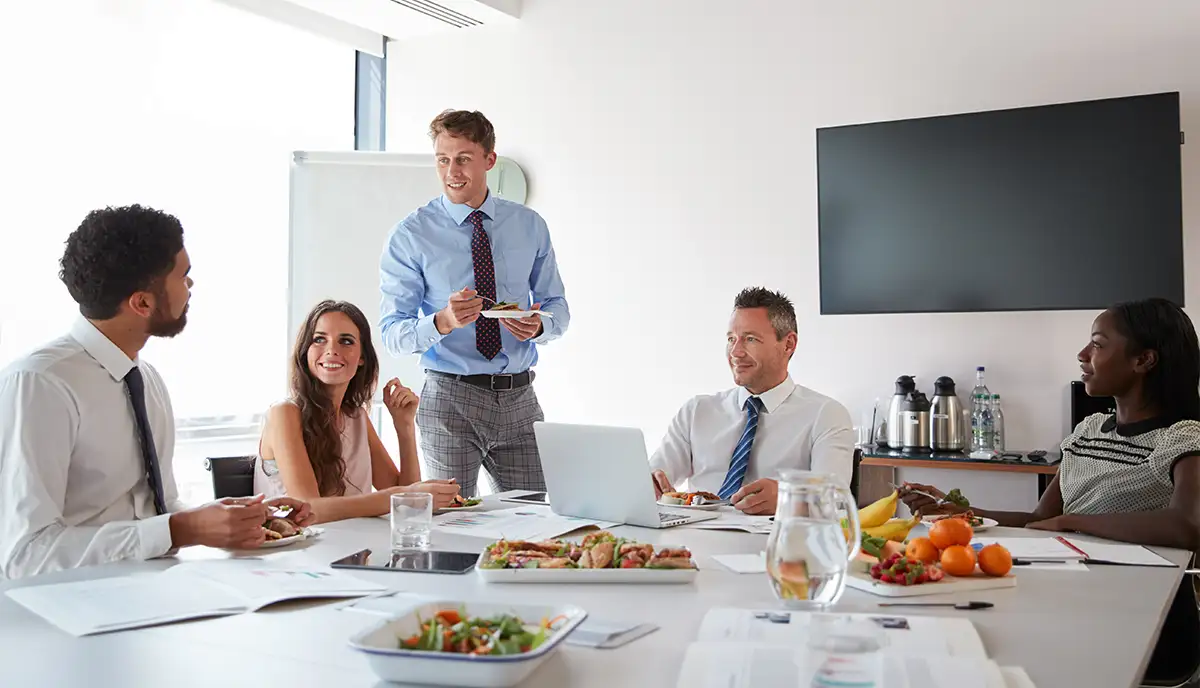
693,507
636,576
448,509
390,663
987,522
514,314
304,534
948,584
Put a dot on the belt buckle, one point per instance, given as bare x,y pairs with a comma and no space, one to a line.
507,376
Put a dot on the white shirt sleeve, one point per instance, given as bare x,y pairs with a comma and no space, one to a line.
674,455
36,443
833,442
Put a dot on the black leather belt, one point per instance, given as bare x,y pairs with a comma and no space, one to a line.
496,383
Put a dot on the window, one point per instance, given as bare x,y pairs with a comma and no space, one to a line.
192,107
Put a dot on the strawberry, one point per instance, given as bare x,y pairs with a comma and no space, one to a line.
887,578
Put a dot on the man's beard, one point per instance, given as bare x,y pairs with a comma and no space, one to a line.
163,325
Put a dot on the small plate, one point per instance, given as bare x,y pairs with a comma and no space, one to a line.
514,314
304,534
692,507
987,522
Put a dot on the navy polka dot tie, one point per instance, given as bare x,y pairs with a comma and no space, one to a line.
487,331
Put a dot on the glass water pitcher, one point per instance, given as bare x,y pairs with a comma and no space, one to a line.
816,535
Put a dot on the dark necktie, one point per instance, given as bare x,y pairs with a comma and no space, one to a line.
741,454
137,395
487,330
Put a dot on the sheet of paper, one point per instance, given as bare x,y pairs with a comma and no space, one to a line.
745,665
260,583
385,603
1115,553
909,636
1030,547
111,604
742,563
730,519
519,523
1015,677
1074,566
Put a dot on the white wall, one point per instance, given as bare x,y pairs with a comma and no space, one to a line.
671,150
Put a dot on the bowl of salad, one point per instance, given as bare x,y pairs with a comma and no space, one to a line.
454,643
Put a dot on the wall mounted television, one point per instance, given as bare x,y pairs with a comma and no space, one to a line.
1071,206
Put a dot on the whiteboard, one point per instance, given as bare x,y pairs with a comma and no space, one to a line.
343,206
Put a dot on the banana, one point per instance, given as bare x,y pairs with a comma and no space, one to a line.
878,513
895,529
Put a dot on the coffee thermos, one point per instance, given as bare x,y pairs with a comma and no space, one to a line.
905,385
947,429
915,423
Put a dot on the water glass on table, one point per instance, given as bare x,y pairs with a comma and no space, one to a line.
412,520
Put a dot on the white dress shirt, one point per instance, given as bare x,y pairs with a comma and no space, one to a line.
797,428
73,480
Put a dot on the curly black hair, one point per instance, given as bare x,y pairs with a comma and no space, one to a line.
115,252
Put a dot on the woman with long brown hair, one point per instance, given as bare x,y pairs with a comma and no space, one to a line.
319,444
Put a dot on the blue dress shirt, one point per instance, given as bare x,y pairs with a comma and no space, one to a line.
428,258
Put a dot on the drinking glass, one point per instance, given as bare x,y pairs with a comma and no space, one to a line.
816,534
412,520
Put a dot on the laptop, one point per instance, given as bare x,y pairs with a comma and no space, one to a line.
602,472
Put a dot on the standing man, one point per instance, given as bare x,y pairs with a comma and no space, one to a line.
734,442
442,267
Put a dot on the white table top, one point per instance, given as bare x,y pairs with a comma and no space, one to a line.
1061,627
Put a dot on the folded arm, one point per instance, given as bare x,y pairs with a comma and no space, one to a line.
35,458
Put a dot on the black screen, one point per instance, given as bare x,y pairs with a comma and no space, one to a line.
418,561
1057,207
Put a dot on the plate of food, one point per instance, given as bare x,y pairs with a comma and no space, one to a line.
977,523
600,557
705,501
454,643
509,309
461,503
281,531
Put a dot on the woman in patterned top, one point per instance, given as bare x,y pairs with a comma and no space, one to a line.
1134,475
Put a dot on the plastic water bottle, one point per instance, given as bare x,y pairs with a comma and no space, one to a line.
980,388
997,424
983,426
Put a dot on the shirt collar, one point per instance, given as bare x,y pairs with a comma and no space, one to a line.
772,398
459,212
102,349
1140,427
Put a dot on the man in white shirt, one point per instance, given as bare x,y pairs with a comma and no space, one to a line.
88,432
733,442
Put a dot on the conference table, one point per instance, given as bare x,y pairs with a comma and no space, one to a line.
1093,628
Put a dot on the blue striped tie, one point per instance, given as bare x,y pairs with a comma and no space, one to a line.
741,455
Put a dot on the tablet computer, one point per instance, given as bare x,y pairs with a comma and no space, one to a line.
528,498
417,561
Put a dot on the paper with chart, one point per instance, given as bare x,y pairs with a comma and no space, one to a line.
186,591
520,523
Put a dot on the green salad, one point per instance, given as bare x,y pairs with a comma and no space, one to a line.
454,631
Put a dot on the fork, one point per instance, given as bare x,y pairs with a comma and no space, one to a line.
938,501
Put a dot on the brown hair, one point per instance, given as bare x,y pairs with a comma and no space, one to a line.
472,126
322,440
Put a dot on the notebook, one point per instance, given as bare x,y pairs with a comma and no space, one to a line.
185,591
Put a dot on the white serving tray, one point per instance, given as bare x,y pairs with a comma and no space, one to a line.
379,645
948,584
631,576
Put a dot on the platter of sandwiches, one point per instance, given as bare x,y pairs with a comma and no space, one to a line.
600,557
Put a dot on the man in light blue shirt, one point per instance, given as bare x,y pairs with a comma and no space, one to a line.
444,266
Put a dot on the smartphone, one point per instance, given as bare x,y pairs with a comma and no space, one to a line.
419,561
531,498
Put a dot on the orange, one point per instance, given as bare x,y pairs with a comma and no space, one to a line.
958,560
922,549
995,560
951,531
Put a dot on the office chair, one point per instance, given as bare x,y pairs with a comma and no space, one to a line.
232,476
1176,662
854,473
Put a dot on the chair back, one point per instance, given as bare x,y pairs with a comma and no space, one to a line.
232,476
854,472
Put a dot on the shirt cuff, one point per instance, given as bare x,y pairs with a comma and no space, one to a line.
427,332
154,537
